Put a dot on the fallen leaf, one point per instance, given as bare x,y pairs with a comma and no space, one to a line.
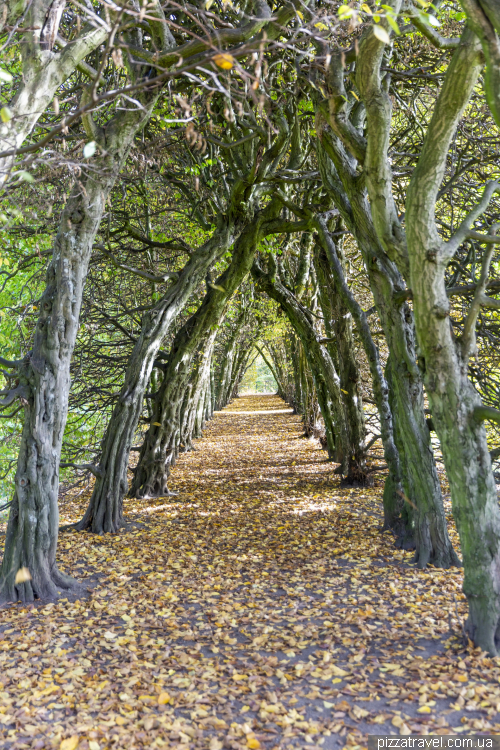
70,744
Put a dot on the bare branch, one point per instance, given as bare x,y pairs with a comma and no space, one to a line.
469,335
451,246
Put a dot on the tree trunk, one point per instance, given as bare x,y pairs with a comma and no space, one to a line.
392,490
338,325
224,390
104,513
419,476
44,375
160,446
32,531
456,406
326,379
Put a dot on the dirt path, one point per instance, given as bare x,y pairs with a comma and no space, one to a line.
260,608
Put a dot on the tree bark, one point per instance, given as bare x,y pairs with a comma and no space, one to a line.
392,488
338,325
162,439
419,476
32,531
444,359
326,379
104,513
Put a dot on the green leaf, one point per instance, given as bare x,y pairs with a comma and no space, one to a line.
5,114
394,26
24,176
381,34
345,11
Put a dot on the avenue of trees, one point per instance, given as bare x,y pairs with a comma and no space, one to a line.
188,189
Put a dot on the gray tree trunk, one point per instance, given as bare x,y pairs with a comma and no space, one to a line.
392,490
420,481
32,531
456,405
326,379
161,444
104,513
338,325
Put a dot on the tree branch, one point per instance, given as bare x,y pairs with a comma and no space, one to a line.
451,246
482,413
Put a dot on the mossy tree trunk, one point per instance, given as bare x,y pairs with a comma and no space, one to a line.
457,411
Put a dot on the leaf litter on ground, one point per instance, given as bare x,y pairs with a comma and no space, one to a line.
260,608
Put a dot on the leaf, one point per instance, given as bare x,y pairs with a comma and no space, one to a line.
71,743
224,61
163,699
93,745
345,12
22,576
300,15
321,26
109,635
366,8
381,34
424,710
253,743
337,671
393,24
208,4
24,176
5,114
5,75
157,424
89,149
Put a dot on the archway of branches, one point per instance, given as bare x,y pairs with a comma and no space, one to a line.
188,191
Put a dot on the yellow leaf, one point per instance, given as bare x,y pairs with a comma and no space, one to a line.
321,26
366,8
337,671
5,114
157,424
224,61
381,34
346,393
93,745
462,678
22,575
397,721
163,699
71,743
253,743
300,15
424,710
